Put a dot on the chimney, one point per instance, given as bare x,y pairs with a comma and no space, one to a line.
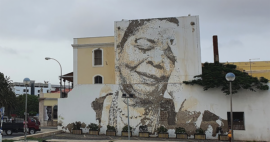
215,46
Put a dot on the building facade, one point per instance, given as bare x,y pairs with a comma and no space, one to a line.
150,58
34,88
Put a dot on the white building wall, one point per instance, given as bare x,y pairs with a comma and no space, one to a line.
255,106
19,90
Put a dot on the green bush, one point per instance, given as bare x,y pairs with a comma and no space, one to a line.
180,130
110,128
199,131
162,129
77,126
125,128
93,127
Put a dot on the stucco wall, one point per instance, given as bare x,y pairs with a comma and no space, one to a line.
93,40
258,68
86,71
51,95
255,106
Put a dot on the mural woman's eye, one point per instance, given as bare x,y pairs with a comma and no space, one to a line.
144,44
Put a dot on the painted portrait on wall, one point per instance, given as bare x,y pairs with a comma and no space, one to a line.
153,57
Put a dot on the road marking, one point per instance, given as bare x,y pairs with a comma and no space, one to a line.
110,137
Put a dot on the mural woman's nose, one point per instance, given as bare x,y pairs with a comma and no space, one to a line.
158,57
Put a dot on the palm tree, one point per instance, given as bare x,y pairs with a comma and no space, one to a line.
7,96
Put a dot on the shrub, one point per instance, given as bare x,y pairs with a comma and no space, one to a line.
125,128
110,128
162,129
180,130
93,127
77,126
199,131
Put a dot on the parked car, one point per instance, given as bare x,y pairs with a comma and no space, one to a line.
15,125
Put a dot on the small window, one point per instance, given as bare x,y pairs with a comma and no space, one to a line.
97,57
38,91
238,120
47,91
24,90
98,79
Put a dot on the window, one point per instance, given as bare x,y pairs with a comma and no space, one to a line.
238,120
24,90
97,57
55,112
38,91
98,79
47,91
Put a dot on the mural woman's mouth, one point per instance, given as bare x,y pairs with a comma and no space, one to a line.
150,79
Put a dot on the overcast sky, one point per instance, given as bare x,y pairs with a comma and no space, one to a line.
31,30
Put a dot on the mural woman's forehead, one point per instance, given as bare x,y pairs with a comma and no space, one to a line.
135,25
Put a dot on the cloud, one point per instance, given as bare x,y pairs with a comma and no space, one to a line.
8,50
35,29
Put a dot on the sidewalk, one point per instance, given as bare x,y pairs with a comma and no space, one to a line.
66,137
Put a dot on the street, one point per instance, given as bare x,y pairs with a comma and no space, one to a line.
43,129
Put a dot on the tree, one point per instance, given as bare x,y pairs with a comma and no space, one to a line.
32,105
213,76
7,96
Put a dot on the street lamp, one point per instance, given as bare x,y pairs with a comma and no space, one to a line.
26,82
128,96
250,64
230,77
48,58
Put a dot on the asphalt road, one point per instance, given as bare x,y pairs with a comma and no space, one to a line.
43,129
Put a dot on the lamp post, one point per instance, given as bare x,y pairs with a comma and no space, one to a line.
230,77
48,58
26,81
128,96
250,64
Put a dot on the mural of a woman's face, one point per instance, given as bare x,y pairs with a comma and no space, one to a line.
146,61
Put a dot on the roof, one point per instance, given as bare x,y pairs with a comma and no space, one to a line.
68,77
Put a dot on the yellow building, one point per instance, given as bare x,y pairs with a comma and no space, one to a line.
94,60
48,108
254,68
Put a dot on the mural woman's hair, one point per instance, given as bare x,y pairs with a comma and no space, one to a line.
134,26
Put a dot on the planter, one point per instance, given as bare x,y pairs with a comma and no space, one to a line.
110,133
144,134
199,136
77,132
163,135
125,134
223,137
181,136
92,132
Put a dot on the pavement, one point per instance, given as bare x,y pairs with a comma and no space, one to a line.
53,135
67,137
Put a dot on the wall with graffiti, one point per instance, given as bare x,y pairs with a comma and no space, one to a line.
153,57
